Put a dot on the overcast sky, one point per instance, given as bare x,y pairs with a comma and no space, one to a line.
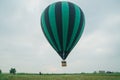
23,45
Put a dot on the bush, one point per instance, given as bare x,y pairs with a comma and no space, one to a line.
0,71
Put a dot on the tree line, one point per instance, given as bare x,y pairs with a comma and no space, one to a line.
13,71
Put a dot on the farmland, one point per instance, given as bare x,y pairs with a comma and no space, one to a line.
60,77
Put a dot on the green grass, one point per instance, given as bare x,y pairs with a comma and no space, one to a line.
61,77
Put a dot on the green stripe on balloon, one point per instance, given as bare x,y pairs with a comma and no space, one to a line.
65,22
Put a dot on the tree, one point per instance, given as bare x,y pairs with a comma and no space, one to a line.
40,73
12,71
0,71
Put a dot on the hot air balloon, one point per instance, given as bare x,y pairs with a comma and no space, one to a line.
63,24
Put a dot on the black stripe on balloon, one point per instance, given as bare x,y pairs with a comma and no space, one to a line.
71,22
49,27
78,32
58,15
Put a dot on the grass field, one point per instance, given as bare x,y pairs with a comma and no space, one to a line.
61,77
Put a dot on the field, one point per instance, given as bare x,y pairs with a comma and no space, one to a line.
60,77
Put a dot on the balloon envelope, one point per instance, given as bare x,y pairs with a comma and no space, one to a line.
62,24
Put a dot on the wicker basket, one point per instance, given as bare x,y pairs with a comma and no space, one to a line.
64,63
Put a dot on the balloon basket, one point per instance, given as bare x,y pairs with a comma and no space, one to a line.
64,63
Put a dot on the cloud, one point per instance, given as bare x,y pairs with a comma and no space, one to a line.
23,44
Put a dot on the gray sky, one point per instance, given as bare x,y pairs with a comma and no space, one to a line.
23,45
